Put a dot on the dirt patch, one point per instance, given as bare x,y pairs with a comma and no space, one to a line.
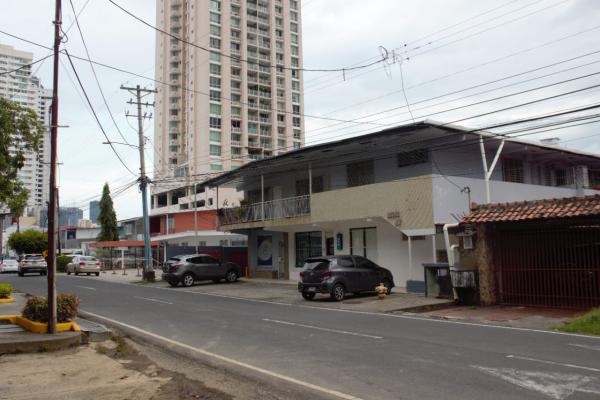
176,386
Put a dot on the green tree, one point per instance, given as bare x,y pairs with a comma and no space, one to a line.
28,241
18,202
107,217
20,132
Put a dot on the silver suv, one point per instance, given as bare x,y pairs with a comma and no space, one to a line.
33,264
198,267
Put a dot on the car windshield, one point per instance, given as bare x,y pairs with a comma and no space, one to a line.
173,260
316,264
87,258
34,258
10,262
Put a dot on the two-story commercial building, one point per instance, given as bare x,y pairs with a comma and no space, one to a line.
387,195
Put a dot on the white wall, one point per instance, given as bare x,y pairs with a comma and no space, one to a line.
448,200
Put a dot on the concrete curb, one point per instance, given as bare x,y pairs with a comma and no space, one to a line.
32,343
38,327
7,300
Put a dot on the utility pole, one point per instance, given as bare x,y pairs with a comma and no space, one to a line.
53,157
139,94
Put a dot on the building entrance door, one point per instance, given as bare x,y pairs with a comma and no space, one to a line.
363,242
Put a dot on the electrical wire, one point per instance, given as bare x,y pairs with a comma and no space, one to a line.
96,75
96,116
25,65
237,58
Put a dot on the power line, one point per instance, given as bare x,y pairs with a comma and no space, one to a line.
95,115
26,65
236,58
95,75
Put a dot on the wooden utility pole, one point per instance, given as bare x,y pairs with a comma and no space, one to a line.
52,214
140,93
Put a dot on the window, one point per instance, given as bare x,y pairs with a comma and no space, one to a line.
215,122
565,177
413,157
214,56
215,167
215,109
302,188
308,244
214,17
215,69
215,136
512,170
215,95
215,150
360,173
363,242
215,82
215,30
215,43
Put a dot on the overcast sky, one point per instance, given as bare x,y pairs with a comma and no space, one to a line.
436,46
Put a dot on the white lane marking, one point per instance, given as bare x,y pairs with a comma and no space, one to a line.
154,300
86,287
583,346
552,384
322,329
230,360
553,363
402,316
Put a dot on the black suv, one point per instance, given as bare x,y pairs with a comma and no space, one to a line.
198,267
337,275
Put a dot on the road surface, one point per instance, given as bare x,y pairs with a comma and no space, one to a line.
349,355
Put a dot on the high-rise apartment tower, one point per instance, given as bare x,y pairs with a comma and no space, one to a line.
235,95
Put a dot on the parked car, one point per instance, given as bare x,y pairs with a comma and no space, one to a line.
338,275
33,264
9,265
84,265
188,269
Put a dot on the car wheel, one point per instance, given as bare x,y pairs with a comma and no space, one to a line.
188,280
216,280
231,276
76,273
338,292
41,274
97,273
88,274
68,272
21,274
388,285
173,284
308,296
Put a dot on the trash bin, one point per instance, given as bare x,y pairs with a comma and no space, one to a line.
437,280
466,284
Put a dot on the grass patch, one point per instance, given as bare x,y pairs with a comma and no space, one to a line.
588,323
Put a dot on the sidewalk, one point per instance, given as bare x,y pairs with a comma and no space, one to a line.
518,317
118,277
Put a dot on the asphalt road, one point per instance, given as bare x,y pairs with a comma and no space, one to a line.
368,356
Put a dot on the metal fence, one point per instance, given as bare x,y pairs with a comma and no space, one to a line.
276,209
549,265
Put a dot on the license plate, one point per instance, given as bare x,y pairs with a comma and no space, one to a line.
312,289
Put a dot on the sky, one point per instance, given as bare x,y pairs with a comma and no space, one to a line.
436,52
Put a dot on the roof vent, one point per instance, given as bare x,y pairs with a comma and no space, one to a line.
552,141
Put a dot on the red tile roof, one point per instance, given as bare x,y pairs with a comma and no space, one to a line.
571,207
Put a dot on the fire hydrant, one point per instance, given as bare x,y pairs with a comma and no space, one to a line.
381,291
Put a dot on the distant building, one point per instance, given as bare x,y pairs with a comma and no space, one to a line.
26,90
67,216
94,211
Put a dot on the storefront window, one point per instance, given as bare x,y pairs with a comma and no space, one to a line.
308,244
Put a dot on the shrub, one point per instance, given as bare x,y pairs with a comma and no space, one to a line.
5,290
61,263
588,323
67,306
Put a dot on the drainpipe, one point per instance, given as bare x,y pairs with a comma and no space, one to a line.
449,248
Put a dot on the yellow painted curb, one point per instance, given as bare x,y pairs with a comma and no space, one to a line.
39,327
7,300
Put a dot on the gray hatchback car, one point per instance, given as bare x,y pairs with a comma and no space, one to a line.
338,275
188,269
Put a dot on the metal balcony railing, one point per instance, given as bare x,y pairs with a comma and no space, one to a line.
276,209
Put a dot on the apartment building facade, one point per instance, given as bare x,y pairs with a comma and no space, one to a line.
234,91
26,90
387,195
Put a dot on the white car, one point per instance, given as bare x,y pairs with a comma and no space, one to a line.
9,265
84,265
